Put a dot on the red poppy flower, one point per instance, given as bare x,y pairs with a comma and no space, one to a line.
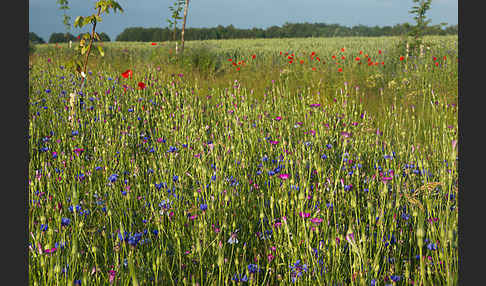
127,73
340,69
357,59
290,61
318,59
370,63
334,57
280,52
313,53
379,51
402,58
382,63
314,69
229,60
141,85
289,57
153,44
342,50
445,58
343,57
434,59
436,64
301,61
239,62
360,52
238,69
234,63
253,56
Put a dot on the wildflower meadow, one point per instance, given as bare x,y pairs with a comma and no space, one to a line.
316,161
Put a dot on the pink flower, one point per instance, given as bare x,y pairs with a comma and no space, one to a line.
350,237
273,142
52,250
284,176
278,118
316,220
112,275
304,215
345,134
315,105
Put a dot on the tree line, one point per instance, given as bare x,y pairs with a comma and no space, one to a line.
288,30
63,38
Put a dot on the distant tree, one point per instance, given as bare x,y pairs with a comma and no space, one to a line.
64,5
35,39
417,31
104,37
176,10
61,38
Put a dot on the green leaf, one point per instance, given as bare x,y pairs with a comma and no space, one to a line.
84,50
79,22
100,49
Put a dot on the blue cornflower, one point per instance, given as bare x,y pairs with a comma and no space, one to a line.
323,156
328,146
175,178
395,278
172,149
77,282
432,246
252,268
44,227
237,278
65,221
75,132
113,178
373,282
203,207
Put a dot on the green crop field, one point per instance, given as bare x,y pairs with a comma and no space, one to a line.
316,161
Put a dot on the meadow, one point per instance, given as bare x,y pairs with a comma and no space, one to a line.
317,161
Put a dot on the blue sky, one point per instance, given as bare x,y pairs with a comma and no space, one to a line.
45,17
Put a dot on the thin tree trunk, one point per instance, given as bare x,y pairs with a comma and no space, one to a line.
184,25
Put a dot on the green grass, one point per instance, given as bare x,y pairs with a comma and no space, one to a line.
368,151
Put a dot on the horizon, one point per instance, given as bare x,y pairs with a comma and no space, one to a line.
45,18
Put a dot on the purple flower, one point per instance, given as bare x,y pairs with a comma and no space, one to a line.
304,215
316,220
315,105
284,176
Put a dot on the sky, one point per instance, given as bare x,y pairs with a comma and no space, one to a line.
46,18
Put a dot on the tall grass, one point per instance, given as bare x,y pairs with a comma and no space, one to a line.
273,174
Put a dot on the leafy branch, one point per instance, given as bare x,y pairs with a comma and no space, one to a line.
87,39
